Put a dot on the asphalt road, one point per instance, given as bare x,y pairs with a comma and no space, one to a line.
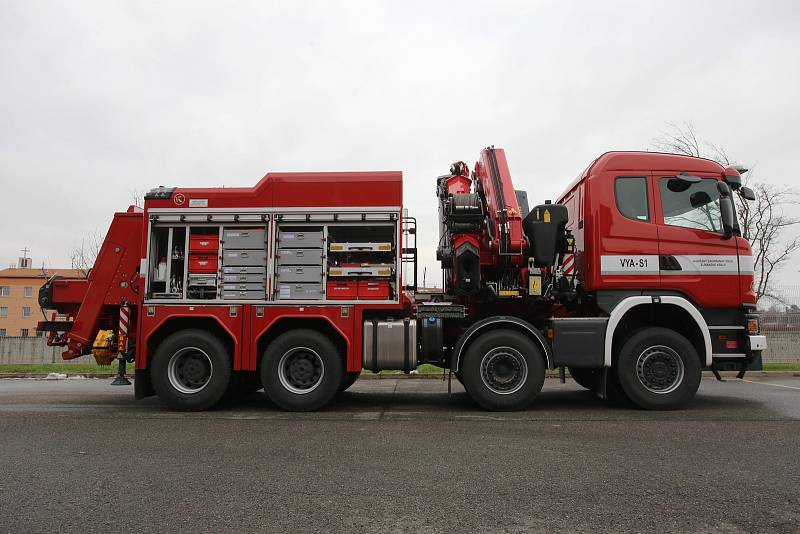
397,455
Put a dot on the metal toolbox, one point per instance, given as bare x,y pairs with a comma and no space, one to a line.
299,256
360,247
204,280
244,238
226,269
300,292
243,287
289,239
244,257
243,278
377,290
244,295
364,270
390,345
342,290
202,263
299,273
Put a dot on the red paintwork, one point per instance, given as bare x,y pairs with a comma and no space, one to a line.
492,204
378,290
208,244
342,290
202,263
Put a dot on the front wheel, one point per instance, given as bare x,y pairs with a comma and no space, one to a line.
301,370
503,370
658,369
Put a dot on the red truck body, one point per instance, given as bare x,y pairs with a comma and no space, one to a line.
297,283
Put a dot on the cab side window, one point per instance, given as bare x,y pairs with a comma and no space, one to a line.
695,206
631,195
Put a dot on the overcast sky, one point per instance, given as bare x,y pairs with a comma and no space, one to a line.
98,99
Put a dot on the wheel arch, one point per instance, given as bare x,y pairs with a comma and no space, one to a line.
177,323
495,323
317,324
666,311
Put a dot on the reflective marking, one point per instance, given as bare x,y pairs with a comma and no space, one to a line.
769,384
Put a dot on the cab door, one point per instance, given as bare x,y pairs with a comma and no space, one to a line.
694,258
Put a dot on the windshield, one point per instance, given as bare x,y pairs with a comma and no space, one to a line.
695,206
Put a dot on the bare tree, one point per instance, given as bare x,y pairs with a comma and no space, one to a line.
762,221
84,255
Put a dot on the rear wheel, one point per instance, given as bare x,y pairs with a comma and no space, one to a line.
503,370
301,370
659,369
191,370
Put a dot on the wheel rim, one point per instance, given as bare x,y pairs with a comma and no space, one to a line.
300,370
660,369
190,370
504,370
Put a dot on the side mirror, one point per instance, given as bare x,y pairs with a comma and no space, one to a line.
699,198
724,190
682,182
747,193
726,211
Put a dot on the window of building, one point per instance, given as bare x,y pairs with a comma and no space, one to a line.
3,311
631,194
23,332
696,206
5,291
2,332
28,292
26,311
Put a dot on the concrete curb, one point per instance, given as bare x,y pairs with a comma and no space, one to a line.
401,376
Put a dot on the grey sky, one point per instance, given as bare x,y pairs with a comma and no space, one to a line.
100,98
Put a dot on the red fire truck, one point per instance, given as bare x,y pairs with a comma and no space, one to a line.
635,280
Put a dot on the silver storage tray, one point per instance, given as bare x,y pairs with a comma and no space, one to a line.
300,292
243,287
204,280
299,256
288,239
226,269
244,238
299,273
360,247
244,295
244,257
242,278
368,271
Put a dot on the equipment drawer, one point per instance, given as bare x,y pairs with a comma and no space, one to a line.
244,295
244,238
299,273
360,247
202,263
244,257
243,278
243,287
371,270
205,280
299,256
244,270
313,239
373,290
342,290
300,292
208,244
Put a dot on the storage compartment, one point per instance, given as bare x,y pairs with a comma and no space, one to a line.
300,292
579,342
243,278
202,263
299,273
243,287
244,257
368,270
390,345
299,256
361,247
259,294
378,290
244,238
204,280
201,292
261,270
298,237
342,290
207,244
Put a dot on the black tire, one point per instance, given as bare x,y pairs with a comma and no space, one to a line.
658,369
587,378
191,370
503,370
301,370
348,379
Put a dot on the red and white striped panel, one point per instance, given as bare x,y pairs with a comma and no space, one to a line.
124,319
569,264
